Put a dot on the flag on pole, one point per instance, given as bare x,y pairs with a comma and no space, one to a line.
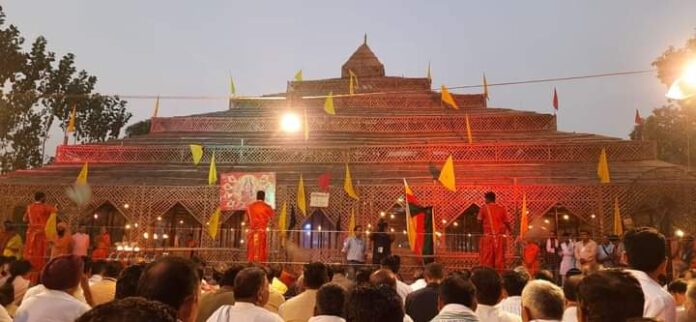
212,171
82,177
485,86
51,228
298,76
447,177
524,221
283,221
233,92
301,201
447,98
430,77
555,100
155,112
71,121
468,129
329,104
618,223
420,224
214,224
196,153
353,82
348,184
351,223
305,125
638,120
603,167
410,220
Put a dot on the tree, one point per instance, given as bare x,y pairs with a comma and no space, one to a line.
672,126
139,128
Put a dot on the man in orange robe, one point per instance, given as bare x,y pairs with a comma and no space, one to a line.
530,257
259,213
36,244
496,227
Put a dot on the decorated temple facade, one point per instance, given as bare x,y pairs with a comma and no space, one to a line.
147,191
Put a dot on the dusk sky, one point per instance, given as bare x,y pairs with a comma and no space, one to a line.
190,47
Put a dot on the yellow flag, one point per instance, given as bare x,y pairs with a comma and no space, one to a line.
233,89
51,227
196,153
155,112
447,178
212,172
298,76
329,105
603,167
71,121
351,223
524,222
618,223
353,82
430,77
468,130
306,126
82,177
301,201
447,98
214,224
485,86
348,184
283,220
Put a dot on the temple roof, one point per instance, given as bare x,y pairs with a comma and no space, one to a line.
364,63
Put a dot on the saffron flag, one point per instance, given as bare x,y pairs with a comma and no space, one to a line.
233,92
555,99
298,76
155,112
351,223
82,177
618,223
212,171
348,184
485,86
524,222
638,120
301,198
71,121
603,167
353,82
51,228
430,77
214,224
468,130
196,153
324,181
447,177
329,105
447,98
283,220
306,126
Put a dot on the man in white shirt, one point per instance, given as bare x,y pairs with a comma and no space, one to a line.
251,294
647,259
489,292
80,241
570,291
586,252
542,301
331,301
513,284
609,295
301,307
393,263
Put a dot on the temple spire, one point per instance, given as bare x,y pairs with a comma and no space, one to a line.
365,39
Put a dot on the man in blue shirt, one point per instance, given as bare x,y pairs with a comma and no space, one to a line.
354,247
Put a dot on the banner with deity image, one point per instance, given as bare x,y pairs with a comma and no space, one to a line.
238,189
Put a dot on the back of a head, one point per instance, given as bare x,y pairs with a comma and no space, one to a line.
488,285
19,267
338,269
112,269
677,286
363,275
489,196
610,296
514,282
98,266
39,196
544,275
434,271
62,273
645,249
392,262
456,290
374,304
249,282
543,300
261,195
227,278
127,281
331,300
170,280
315,275
383,277
570,287
132,309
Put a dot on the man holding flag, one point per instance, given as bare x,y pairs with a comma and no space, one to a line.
495,228
259,213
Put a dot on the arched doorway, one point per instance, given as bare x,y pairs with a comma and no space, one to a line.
106,216
232,230
464,232
561,220
396,218
177,228
319,232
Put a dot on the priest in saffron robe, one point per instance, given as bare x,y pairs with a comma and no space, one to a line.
259,213
496,228
36,248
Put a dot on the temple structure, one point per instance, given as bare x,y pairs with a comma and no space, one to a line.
392,128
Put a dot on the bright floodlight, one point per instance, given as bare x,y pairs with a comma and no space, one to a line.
679,233
290,122
685,86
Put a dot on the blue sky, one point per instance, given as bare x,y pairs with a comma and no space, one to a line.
189,47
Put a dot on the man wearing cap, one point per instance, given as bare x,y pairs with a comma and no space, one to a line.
61,277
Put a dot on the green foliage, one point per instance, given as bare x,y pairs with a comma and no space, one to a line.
139,128
40,91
